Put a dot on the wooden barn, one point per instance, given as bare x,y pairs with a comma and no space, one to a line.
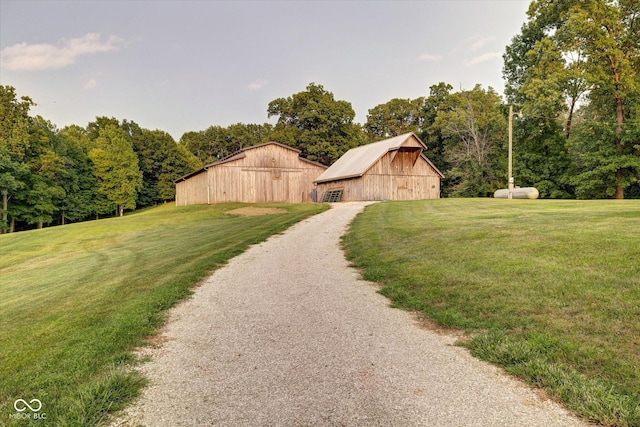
269,172
392,169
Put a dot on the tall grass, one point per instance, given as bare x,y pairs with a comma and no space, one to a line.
550,290
75,300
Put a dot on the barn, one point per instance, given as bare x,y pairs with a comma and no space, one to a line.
270,172
392,169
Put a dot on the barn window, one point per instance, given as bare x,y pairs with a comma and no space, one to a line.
332,196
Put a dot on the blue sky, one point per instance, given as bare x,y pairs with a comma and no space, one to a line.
186,65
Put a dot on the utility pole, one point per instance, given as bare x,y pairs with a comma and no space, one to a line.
510,150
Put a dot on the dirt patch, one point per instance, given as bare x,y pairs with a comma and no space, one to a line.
255,211
423,322
157,340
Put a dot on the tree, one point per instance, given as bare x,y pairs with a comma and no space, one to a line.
608,32
240,135
116,169
573,51
45,193
394,118
12,177
198,145
439,101
177,162
217,142
317,124
156,150
102,122
14,122
597,161
80,187
545,88
150,147
161,161
14,146
474,129
545,92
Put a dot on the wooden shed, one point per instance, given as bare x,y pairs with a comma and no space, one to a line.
270,172
392,169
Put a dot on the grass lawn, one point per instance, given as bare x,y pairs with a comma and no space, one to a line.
75,300
550,290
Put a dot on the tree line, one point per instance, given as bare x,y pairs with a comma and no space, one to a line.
54,176
572,74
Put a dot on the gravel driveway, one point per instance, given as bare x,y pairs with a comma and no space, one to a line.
288,335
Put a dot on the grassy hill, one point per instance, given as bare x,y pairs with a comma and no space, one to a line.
550,290
75,300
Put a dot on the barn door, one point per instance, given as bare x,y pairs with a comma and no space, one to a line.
279,186
400,190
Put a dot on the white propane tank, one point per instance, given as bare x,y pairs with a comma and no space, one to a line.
518,193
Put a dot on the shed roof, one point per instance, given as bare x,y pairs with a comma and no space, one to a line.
240,154
357,161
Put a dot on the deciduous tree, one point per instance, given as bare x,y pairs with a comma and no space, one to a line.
439,101
394,118
116,168
217,142
81,186
45,193
12,178
317,124
571,52
14,147
161,161
474,129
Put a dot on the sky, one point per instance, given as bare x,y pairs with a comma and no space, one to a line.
184,66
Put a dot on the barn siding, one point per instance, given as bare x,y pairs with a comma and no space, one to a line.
264,174
192,191
387,179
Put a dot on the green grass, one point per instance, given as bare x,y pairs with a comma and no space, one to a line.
76,300
550,290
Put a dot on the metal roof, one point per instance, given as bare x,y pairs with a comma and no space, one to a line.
240,154
357,161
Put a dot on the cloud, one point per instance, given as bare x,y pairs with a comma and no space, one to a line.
257,85
429,57
488,56
90,84
37,57
478,42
